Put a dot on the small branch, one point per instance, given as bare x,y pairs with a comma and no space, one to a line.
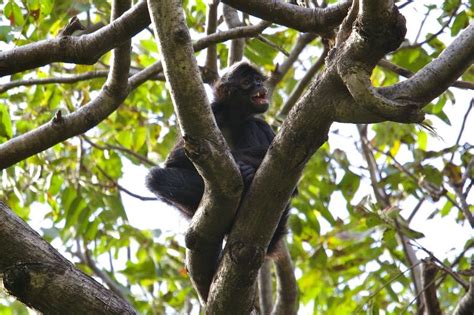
438,75
128,192
119,148
265,287
443,267
64,80
430,300
381,287
463,125
287,289
86,259
433,36
211,27
422,24
380,194
415,210
231,17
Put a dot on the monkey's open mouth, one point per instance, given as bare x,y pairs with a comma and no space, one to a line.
260,98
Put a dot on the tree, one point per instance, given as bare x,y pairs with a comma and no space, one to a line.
74,114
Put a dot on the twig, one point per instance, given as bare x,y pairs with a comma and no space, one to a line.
463,125
128,192
273,45
119,148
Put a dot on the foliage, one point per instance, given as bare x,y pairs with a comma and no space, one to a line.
344,248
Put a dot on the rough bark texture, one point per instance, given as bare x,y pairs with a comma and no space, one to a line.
36,274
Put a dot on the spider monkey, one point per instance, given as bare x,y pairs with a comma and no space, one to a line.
238,96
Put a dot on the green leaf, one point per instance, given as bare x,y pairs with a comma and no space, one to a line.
349,185
5,122
461,21
422,140
17,15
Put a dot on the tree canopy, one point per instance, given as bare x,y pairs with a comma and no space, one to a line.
371,102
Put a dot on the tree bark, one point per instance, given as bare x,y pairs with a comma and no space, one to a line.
37,275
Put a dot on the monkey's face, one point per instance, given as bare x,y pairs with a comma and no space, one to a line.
254,90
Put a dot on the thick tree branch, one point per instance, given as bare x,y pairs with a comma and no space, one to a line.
35,273
204,144
356,68
86,49
317,20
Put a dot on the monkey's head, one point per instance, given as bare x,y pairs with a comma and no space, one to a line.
241,89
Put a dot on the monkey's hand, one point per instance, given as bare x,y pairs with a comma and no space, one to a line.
247,171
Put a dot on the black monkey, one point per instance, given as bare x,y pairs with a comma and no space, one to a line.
238,96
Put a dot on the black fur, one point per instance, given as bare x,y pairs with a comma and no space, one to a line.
249,137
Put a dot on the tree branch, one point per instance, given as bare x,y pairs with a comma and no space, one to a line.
211,27
265,287
236,51
35,273
317,20
430,300
287,289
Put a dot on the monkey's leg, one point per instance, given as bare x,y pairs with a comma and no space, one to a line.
182,188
